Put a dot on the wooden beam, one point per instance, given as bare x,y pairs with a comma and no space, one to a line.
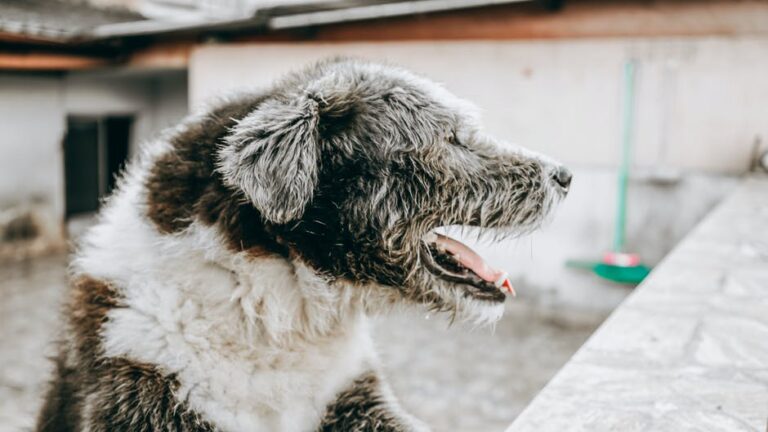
35,61
164,55
28,39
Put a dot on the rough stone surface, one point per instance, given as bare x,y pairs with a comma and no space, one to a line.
457,379
688,350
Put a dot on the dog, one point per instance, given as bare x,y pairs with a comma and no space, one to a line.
228,281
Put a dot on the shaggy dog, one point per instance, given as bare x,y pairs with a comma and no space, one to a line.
228,282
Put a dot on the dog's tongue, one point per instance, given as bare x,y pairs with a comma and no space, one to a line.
471,260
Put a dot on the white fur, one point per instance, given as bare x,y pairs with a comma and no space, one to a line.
257,344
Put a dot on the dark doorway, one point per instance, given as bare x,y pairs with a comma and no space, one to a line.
95,150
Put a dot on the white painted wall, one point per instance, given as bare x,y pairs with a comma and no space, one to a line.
700,102
157,101
33,112
169,100
31,132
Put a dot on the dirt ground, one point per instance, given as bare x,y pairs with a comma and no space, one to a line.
454,378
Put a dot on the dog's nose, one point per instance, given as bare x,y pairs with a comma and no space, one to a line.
562,177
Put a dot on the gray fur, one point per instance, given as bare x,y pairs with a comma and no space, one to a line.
272,156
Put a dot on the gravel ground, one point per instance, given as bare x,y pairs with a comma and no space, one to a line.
454,378
29,313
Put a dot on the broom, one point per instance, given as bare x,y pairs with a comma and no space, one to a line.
618,265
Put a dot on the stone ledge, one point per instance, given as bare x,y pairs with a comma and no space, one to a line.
688,350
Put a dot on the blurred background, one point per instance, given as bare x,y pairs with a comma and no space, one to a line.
84,83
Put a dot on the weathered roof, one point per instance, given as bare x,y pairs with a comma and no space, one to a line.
67,20
57,20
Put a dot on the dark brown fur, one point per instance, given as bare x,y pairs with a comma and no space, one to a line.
183,185
361,408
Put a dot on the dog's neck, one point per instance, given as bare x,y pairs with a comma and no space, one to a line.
253,341
285,300
277,299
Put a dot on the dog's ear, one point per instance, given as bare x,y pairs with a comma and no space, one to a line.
272,155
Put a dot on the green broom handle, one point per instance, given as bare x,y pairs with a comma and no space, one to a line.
629,108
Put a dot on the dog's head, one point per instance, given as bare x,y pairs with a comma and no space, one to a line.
354,165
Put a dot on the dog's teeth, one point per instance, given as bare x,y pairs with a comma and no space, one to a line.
508,286
504,284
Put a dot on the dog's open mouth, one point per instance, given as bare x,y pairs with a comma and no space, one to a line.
456,262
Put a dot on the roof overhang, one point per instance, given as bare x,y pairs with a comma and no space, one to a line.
291,16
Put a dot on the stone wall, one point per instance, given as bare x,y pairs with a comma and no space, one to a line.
686,351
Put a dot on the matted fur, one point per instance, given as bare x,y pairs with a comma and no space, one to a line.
228,281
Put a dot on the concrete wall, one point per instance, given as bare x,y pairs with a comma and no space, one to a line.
169,96
562,97
31,168
700,104
157,100
33,112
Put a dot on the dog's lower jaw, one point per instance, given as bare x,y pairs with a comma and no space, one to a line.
431,295
463,307
455,300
